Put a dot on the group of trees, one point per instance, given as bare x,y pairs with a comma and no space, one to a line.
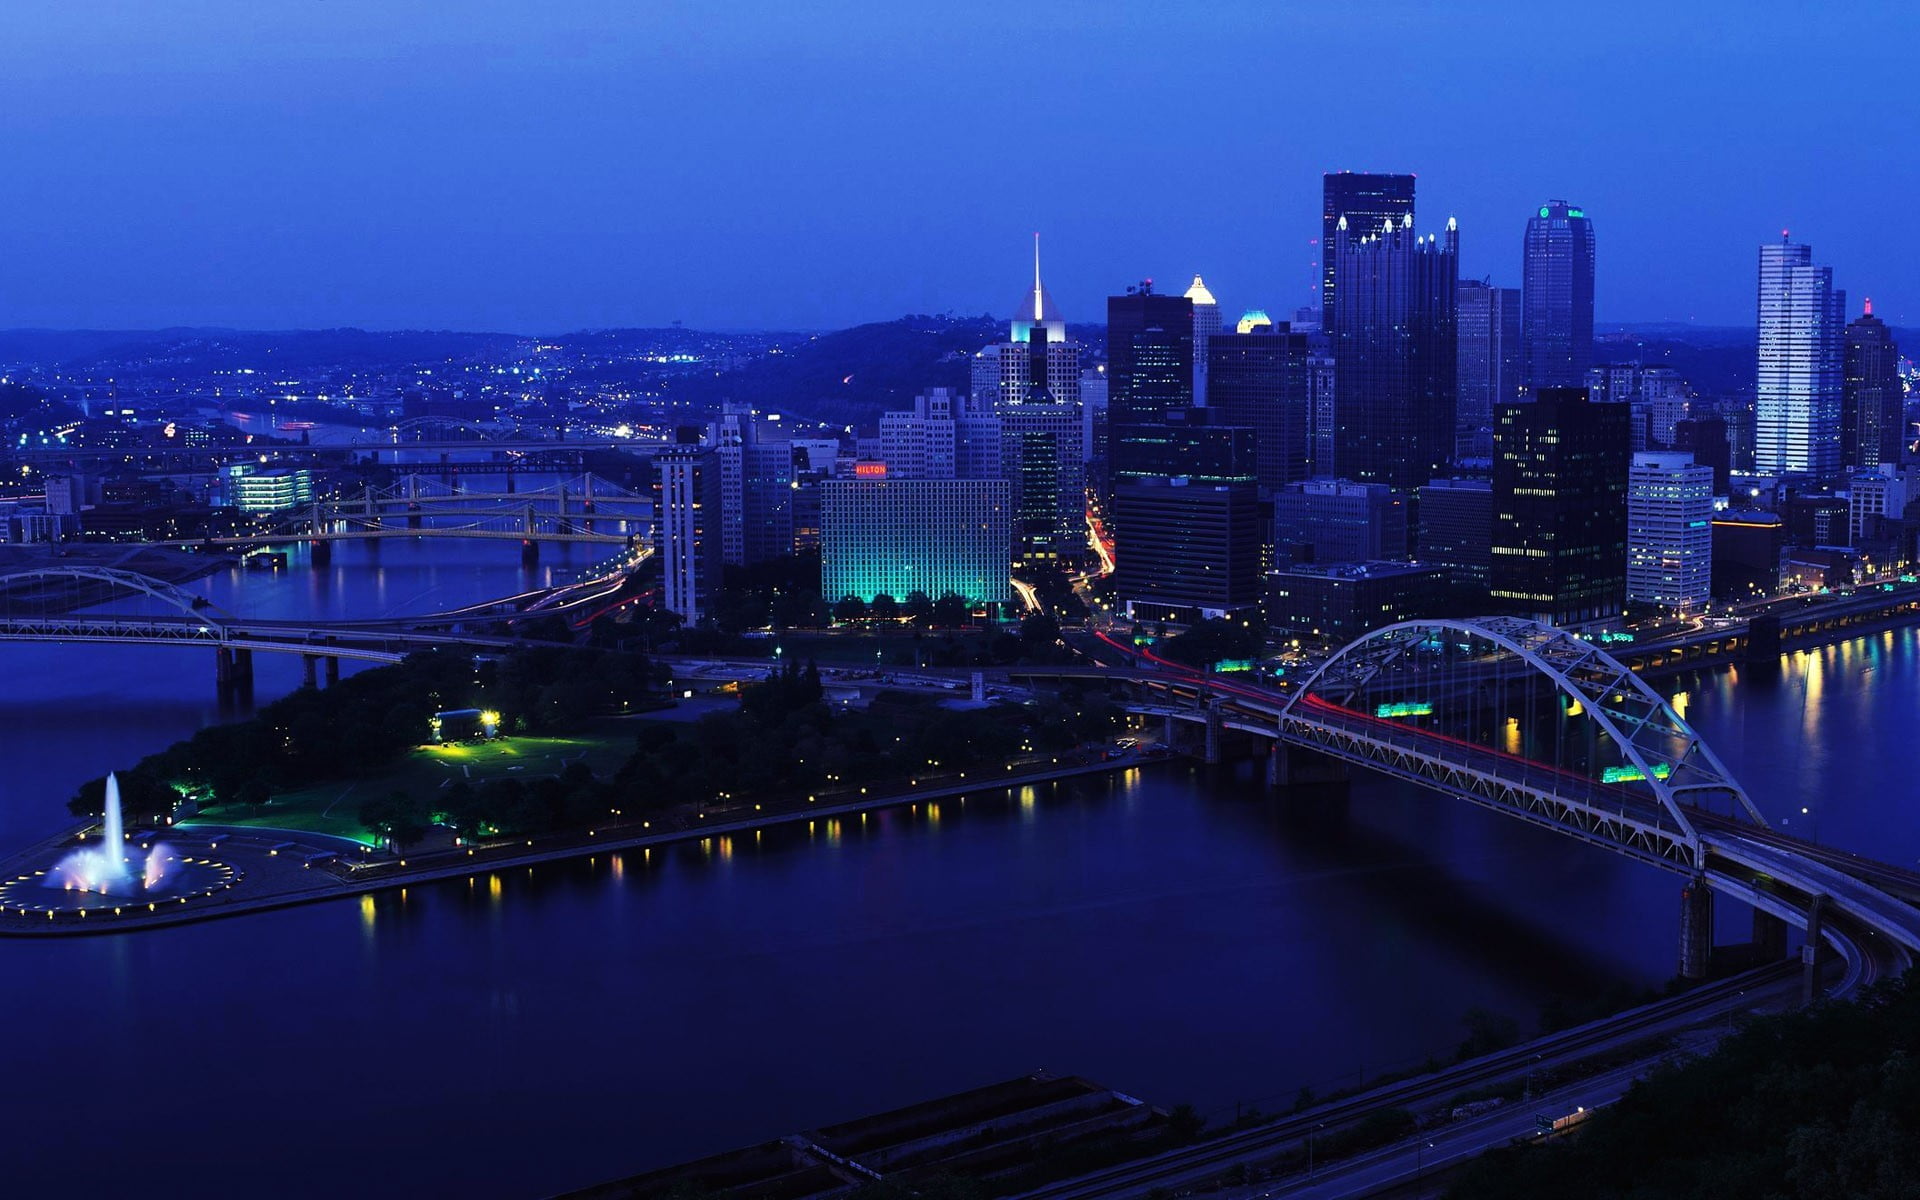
497,807
784,740
368,721
950,611
360,725
1213,641
781,592
1823,1101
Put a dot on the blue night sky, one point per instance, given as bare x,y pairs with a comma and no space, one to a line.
550,165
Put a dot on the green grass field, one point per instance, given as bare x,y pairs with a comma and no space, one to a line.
333,808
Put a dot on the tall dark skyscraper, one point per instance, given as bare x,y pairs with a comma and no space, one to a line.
1556,297
1489,323
1149,356
1560,466
1395,351
1149,369
1259,380
1872,402
1368,202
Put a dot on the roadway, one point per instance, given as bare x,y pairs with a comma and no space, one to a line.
1195,1166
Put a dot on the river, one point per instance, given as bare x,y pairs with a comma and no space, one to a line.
1175,934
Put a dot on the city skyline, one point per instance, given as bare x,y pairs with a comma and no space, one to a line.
508,174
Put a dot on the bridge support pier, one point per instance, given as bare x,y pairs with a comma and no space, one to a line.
309,670
319,552
979,686
1810,951
1215,725
529,551
1769,937
223,668
333,670
1696,929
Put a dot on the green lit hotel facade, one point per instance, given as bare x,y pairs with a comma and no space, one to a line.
894,537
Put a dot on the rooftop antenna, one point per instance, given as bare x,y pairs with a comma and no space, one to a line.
1038,315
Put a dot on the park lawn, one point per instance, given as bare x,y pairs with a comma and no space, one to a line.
333,807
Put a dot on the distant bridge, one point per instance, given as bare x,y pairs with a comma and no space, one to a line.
176,617
582,509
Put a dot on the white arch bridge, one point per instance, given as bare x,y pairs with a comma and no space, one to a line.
1537,724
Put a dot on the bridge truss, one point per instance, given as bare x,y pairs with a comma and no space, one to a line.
1526,718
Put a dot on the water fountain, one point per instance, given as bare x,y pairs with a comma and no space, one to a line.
105,870
114,876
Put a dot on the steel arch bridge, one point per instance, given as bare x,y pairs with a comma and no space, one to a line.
1526,718
184,619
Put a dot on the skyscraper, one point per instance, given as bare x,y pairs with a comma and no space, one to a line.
1489,359
1456,532
944,436
689,536
1560,467
1657,396
756,490
1259,380
1669,530
1395,350
1206,323
1556,297
1802,351
1149,356
1149,368
1037,363
1034,381
1191,549
1872,401
1366,202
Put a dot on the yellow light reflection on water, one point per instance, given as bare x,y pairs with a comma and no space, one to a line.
1512,742
367,911
619,862
495,889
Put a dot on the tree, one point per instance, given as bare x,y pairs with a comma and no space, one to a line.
951,611
884,608
1213,641
850,608
920,607
398,816
254,793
